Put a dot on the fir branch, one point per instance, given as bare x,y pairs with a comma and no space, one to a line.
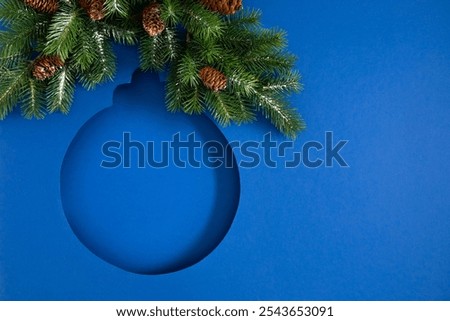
117,7
34,99
124,33
249,18
13,84
156,51
60,91
12,10
171,43
21,35
269,39
286,82
207,52
257,40
85,53
175,92
200,22
104,67
63,33
107,63
243,83
222,106
193,99
15,44
187,71
237,39
245,111
284,118
259,72
171,11
12,60
152,53
274,63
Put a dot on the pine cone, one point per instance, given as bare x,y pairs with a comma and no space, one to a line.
151,20
223,6
94,8
46,6
46,66
213,78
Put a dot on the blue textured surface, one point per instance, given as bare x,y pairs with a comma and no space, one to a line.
376,74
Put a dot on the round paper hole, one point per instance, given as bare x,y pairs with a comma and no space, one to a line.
142,216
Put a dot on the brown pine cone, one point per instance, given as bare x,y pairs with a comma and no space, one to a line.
46,6
46,66
223,6
213,78
94,8
151,20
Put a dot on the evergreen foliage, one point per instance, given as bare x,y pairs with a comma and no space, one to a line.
259,71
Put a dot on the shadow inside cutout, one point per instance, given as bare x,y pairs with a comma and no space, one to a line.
147,220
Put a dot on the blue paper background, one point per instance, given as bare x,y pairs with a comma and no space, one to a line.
376,74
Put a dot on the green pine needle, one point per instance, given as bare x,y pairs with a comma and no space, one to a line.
202,23
171,44
284,118
188,71
175,94
152,53
245,111
193,101
60,91
104,66
85,54
18,39
222,106
12,60
286,82
249,18
13,10
243,82
207,52
124,34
